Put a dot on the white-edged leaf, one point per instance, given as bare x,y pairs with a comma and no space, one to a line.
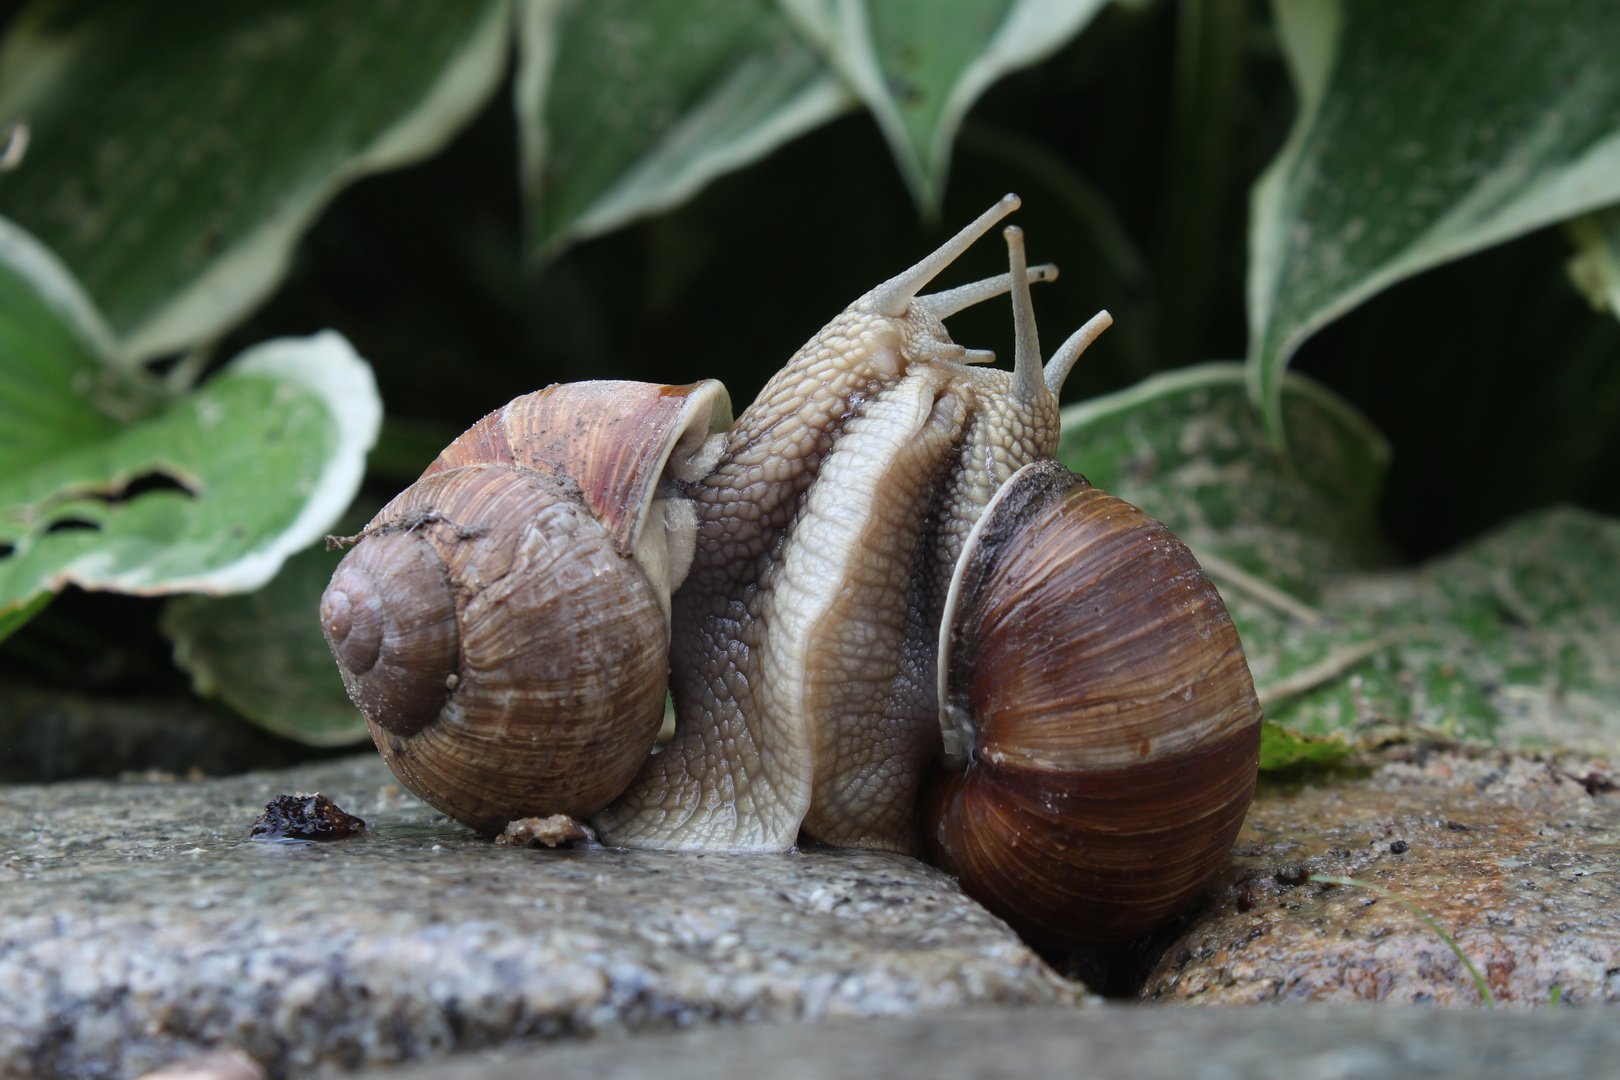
921,64
1187,447
179,148
1426,132
253,466
321,368
629,107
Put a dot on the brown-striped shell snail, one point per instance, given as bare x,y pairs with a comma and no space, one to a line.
1078,744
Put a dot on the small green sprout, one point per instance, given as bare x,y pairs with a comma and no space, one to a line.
1479,980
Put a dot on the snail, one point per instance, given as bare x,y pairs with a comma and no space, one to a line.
888,620
503,624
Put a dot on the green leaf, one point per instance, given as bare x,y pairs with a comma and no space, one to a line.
921,64
263,653
15,617
53,350
180,147
1425,132
629,107
234,478
1281,748
1595,268
1512,641
1186,447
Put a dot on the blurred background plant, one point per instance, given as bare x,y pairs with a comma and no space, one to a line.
204,203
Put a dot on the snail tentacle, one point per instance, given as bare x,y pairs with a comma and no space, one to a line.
1027,385
944,304
1062,362
893,297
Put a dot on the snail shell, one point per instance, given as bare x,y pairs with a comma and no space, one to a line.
1102,733
504,623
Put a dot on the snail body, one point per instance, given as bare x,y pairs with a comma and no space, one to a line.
830,583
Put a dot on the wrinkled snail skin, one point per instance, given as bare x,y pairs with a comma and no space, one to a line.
503,624
887,619
805,634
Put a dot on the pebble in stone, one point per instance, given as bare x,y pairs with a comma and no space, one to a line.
1518,859
549,831
138,926
214,1065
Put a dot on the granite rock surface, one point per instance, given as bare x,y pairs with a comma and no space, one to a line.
1308,1043
1517,859
139,925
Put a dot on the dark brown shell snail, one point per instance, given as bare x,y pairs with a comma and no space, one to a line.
1083,737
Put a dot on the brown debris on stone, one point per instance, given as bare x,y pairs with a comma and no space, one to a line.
304,817
548,831
1517,859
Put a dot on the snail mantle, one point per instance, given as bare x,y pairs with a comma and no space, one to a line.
888,620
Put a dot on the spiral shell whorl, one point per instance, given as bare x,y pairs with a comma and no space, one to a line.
391,621
558,690
1083,815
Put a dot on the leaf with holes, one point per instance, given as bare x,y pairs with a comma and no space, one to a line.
263,653
106,484
1425,132
179,148
209,495
921,64
629,107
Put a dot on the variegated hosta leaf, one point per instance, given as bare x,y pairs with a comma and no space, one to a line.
1187,448
107,484
1425,132
629,107
1513,640
921,64
254,466
179,148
